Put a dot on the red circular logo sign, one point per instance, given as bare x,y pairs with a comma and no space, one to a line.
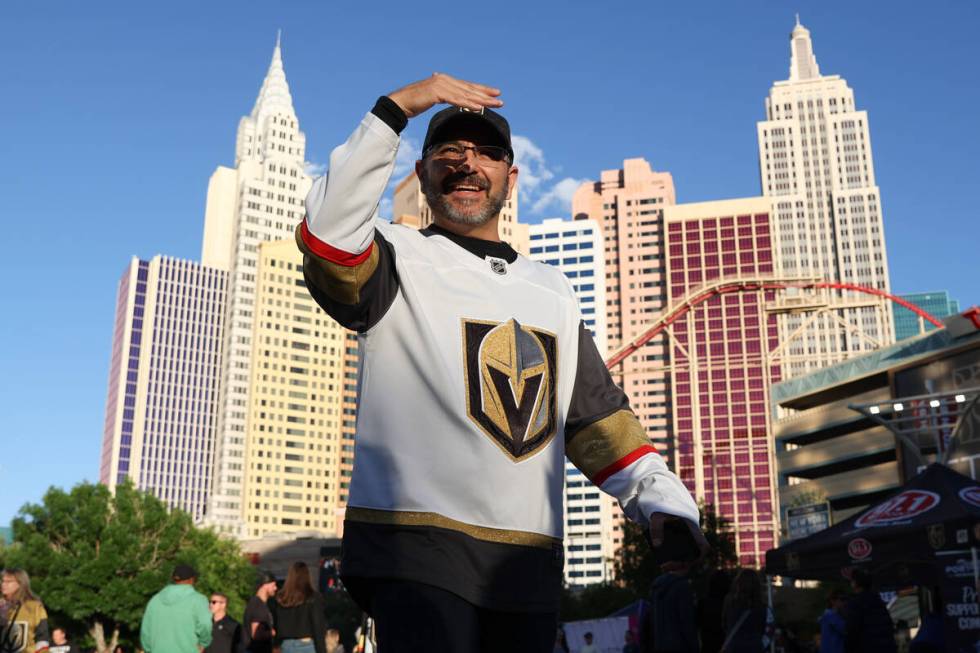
971,495
904,506
859,548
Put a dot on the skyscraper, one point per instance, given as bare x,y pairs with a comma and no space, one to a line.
593,520
720,365
260,199
817,169
297,404
162,402
938,304
628,205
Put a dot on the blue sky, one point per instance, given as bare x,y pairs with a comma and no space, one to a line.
116,114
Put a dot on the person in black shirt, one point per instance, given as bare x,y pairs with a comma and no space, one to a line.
60,643
299,613
867,624
257,630
226,633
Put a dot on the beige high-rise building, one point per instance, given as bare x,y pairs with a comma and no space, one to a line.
817,170
299,402
409,207
628,204
260,199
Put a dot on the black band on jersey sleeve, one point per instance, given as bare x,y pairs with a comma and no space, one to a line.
392,114
595,395
356,296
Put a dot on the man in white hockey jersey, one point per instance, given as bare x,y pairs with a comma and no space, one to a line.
477,379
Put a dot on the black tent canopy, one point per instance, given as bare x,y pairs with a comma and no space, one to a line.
929,527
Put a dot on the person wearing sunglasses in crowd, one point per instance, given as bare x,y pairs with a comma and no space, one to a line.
226,633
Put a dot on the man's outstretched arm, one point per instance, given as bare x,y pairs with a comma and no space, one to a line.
349,268
604,439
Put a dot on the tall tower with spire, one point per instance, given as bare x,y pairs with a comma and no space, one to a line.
816,167
260,199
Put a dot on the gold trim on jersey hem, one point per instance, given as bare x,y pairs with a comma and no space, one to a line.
600,444
416,518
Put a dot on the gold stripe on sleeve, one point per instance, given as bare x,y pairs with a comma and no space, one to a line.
342,283
600,444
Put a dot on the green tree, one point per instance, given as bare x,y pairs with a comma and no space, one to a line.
594,601
96,558
636,569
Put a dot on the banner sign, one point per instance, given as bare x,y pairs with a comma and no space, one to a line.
961,609
803,521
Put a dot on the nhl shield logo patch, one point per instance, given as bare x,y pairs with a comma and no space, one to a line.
498,265
510,374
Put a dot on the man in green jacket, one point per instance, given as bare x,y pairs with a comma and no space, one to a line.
177,619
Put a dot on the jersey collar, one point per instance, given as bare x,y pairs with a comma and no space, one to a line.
475,246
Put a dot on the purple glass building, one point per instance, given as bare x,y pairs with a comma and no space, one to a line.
163,381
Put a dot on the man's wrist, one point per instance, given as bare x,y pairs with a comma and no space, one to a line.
390,113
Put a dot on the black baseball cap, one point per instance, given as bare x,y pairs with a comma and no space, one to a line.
264,577
454,116
184,572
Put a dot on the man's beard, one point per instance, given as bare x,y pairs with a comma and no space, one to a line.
442,207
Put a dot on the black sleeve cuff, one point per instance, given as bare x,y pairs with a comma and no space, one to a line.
392,114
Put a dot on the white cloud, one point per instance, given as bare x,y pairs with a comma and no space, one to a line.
384,208
539,191
313,169
558,196
409,151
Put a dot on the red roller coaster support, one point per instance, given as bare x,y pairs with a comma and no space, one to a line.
754,285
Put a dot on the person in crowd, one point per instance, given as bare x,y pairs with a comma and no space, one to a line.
589,646
514,384
177,619
299,613
671,617
931,637
744,614
561,644
60,643
333,641
868,626
709,612
226,633
257,630
23,619
832,624
630,644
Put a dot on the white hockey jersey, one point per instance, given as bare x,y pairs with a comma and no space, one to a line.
477,379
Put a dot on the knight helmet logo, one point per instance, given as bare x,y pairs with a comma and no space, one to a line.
937,536
510,373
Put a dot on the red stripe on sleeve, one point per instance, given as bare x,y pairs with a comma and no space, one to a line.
332,254
622,463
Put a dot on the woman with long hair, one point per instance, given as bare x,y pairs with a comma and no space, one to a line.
23,619
299,613
744,614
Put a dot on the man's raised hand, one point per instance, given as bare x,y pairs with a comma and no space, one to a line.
440,88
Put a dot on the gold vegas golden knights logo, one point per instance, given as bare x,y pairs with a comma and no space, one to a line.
511,371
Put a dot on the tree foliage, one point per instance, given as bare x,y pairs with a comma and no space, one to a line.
594,601
96,558
636,569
